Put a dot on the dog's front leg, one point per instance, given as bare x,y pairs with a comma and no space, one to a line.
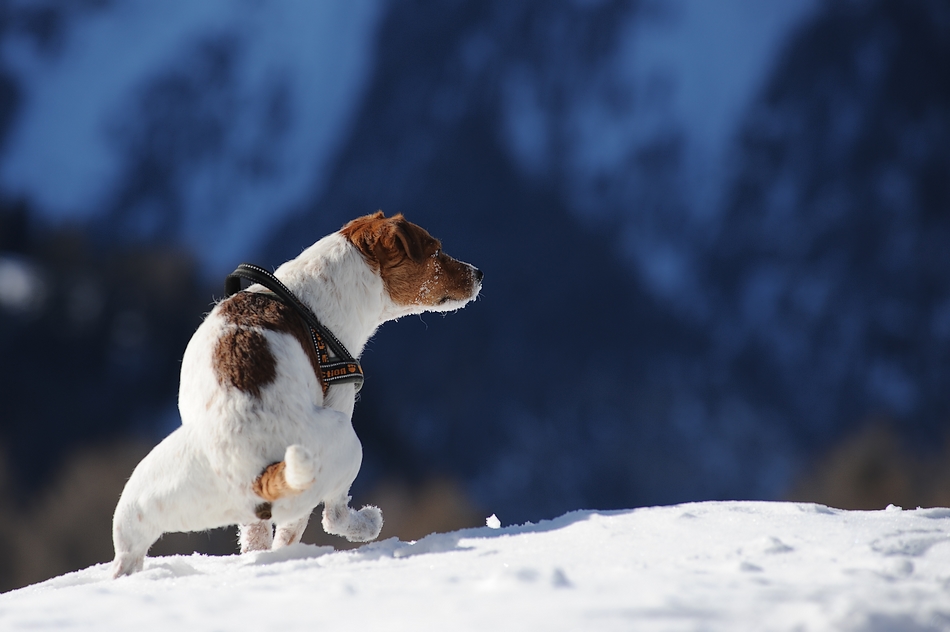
278,480
291,532
356,526
256,536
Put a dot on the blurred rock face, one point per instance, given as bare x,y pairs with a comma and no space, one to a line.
91,338
874,468
680,345
68,525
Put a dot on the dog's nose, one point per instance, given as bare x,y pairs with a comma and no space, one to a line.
477,274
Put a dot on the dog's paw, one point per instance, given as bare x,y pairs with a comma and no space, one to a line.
126,564
356,526
365,524
301,467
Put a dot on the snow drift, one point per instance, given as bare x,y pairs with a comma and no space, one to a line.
710,565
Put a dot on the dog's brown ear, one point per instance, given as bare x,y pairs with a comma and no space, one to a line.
387,241
361,224
364,233
413,240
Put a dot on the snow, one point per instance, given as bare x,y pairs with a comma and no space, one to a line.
710,566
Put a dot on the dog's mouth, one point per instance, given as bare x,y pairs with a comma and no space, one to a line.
447,302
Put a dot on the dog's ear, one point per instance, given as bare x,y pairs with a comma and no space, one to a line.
413,240
365,233
387,241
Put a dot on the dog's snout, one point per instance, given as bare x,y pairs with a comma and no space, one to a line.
477,274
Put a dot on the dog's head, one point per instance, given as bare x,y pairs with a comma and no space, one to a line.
417,275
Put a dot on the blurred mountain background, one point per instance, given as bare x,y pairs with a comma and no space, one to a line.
716,240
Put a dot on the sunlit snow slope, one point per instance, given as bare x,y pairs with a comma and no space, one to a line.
712,565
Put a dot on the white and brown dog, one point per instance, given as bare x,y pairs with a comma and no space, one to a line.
262,440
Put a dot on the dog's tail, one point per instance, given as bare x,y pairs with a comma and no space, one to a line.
294,474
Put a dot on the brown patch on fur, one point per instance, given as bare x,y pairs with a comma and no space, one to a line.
242,357
272,484
410,261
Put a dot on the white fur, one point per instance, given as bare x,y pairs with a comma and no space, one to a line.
200,477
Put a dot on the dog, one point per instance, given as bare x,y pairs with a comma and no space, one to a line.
264,439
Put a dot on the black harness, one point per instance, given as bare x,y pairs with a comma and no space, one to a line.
336,369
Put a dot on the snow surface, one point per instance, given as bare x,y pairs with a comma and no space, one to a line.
709,566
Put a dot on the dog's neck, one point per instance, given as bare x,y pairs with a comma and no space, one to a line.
346,295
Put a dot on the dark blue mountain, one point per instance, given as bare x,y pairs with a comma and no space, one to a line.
822,298
676,306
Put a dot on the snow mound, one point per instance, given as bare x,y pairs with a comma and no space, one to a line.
710,565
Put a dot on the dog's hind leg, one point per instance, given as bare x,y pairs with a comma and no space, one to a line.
356,526
293,475
290,533
174,488
285,478
132,535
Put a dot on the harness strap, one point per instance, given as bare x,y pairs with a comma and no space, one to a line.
342,368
